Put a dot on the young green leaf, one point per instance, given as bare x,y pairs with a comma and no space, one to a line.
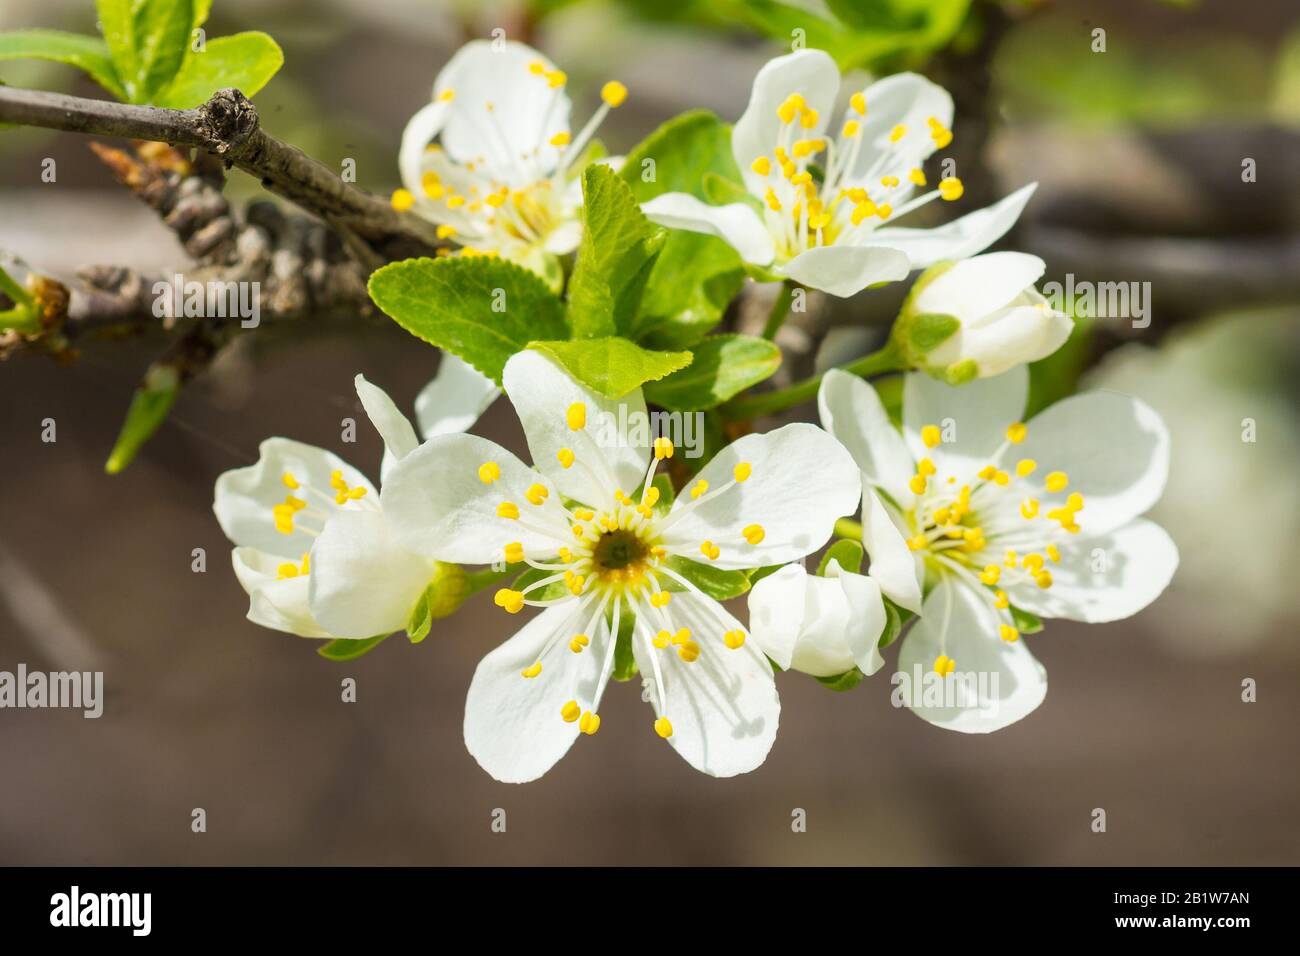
89,54
483,309
618,250
246,61
349,649
716,583
417,627
847,553
147,40
612,366
723,366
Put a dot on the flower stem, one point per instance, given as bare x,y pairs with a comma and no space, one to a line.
887,359
780,309
848,528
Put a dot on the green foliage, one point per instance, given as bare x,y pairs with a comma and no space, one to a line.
1026,622
716,583
612,366
148,410
349,649
848,553
618,251
895,618
723,366
624,659
147,53
841,682
482,309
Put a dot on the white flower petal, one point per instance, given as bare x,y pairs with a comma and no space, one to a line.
1114,449
513,726
846,270
802,481
274,602
1008,338
776,611
394,427
974,415
851,410
960,624
973,288
905,99
612,449
454,398
525,111
866,617
1105,578
971,233
810,73
894,566
420,131
723,706
564,238
438,506
244,497
736,224
363,583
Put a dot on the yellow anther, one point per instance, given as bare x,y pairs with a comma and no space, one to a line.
786,111
918,543
536,493
951,188
884,210
808,118
820,221
1043,579
942,515
682,636
445,232
621,498
578,643
897,133
941,135
972,534
570,711
799,179
925,467
358,492
660,599
1009,633
710,550
699,488
663,448
754,533
944,665
455,202
859,103
402,199
916,177
1011,559
341,498
514,552
1000,600
297,504
861,211
851,129
1034,562
565,457
651,496
987,472
287,570
532,670
556,78
1025,466
1057,481
576,416
733,639
284,525
917,484
583,514
773,203
1016,433
931,435
1074,502
447,95
613,94
762,165
1029,508
561,138
664,728
566,555
1053,552
661,639
590,723
289,480
889,182
689,652
1001,478
512,601
742,471
537,67
306,563
508,509
991,574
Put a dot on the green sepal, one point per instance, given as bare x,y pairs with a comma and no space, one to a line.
349,649
841,682
848,553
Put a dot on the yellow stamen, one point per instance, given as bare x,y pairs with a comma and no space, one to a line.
897,133
1057,481
859,103
512,601
944,665
733,639
576,416
742,471
931,436
289,481
762,166
613,94
710,550
536,493
532,670
699,488
663,448
570,711
754,533
1009,633
565,457
514,552
508,509
917,177
402,199
664,728
951,188
991,574
1016,433
660,599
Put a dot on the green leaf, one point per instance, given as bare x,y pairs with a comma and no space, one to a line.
684,150
148,410
847,553
450,303
840,682
245,60
612,366
667,494
618,250
89,54
147,40
720,191
421,619
349,649
895,618
556,589
1026,622
757,574
624,659
723,366
716,583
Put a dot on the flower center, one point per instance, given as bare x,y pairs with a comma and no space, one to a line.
621,550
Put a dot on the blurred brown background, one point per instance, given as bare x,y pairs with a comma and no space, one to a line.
1139,156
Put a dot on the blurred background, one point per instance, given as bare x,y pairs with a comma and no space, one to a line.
1139,154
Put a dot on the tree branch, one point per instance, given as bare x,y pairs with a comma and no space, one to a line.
228,127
